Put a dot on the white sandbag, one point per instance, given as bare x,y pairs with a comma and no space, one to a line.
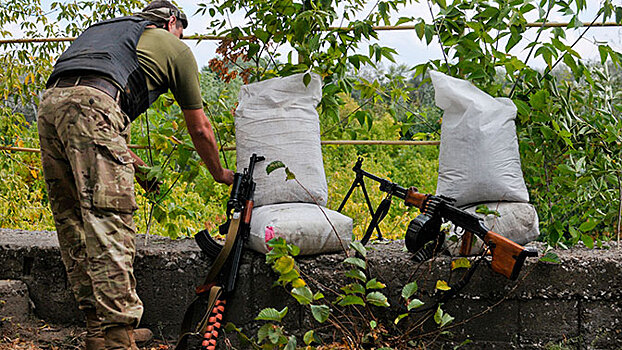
479,159
277,119
516,221
302,224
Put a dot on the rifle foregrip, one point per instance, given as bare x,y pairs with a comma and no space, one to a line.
248,211
507,256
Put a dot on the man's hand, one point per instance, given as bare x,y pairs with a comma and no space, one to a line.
226,177
151,185
140,173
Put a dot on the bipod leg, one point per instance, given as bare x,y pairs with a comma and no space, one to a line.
371,211
381,212
355,183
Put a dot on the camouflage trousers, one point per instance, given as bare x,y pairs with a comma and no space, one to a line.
90,179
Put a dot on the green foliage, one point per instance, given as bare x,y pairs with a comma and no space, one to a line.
568,117
351,309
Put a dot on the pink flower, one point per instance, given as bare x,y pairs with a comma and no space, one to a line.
269,235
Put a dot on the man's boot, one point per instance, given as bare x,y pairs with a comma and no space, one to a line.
94,339
120,338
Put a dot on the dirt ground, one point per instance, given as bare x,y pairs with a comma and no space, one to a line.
38,335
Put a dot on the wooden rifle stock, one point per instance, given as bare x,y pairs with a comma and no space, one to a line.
507,256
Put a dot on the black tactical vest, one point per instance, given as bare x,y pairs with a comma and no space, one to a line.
108,49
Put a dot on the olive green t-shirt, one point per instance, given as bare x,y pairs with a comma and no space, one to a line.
169,63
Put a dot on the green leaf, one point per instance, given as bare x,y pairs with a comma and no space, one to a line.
320,312
290,276
588,225
483,209
460,263
351,300
588,241
415,303
353,288
409,290
284,264
273,166
303,295
356,262
356,274
551,257
604,53
290,175
399,318
374,284
263,332
359,248
539,100
309,337
378,299
291,343
298,283
306,79
262,35
441,318
271,314
420,29
442,285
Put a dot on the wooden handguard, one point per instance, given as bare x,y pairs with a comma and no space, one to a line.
414,198
507,257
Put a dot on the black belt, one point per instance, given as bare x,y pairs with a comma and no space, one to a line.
95,82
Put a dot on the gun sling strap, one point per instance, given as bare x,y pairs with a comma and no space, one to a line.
209,285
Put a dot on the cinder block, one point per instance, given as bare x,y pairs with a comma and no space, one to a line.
14,301
484,320
545,320
601,324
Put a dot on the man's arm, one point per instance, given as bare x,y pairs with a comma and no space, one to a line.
204,141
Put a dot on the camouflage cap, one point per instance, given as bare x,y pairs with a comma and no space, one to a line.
160,11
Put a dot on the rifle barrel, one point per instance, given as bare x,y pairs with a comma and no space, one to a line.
386,185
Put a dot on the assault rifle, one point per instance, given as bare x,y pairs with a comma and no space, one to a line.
207,310
424,237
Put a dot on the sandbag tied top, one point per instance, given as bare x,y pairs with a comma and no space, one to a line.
277,119
479,159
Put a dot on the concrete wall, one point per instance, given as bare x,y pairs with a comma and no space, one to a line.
577,303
